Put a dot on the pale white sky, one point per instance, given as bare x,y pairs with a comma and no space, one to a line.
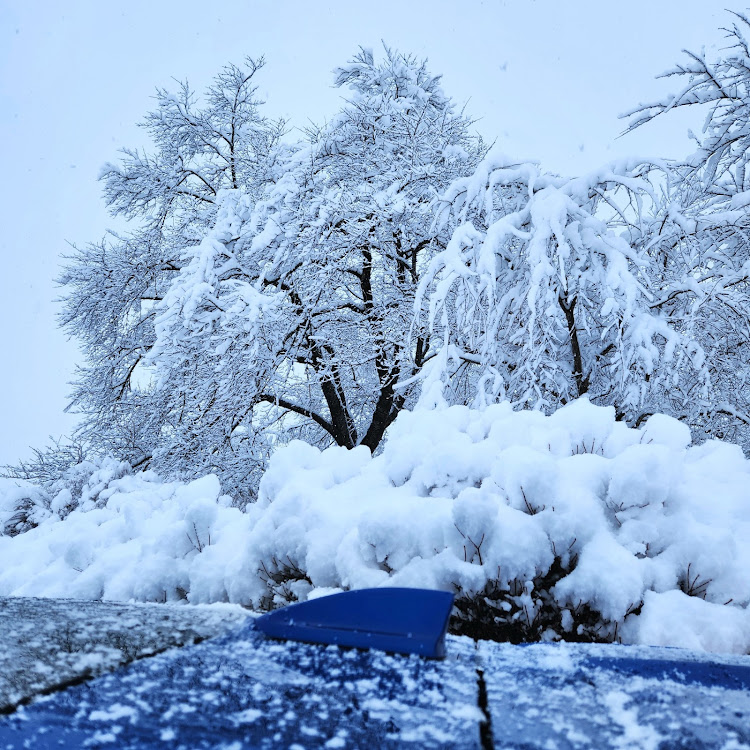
547,78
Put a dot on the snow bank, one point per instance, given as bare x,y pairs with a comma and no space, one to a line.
571,525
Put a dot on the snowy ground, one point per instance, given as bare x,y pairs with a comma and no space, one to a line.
48,643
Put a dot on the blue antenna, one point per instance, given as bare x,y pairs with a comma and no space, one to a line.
405,621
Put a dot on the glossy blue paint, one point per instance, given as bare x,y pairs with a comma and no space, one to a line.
724,676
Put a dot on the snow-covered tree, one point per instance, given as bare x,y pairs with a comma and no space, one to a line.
170,195
292,318
267,292
274,291
545,292
702,245
629,285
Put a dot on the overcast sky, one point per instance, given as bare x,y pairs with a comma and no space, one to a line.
547,79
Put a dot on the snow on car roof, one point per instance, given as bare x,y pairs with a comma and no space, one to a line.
243,690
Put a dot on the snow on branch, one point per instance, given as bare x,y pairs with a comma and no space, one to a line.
546,283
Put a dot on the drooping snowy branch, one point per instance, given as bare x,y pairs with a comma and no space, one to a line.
545,291
702,246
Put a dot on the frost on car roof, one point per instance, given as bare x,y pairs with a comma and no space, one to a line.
48,643
245,689
567,695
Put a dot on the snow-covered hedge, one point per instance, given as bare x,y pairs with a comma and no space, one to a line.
571,525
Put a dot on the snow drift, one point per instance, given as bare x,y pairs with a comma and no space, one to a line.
569,526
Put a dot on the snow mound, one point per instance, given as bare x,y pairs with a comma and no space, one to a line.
569,526
572,525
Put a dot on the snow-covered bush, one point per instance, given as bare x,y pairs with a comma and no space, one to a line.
24,505
145,540
570,526
82,486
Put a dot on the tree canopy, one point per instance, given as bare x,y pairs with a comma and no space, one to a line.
312,289
702,243
269,292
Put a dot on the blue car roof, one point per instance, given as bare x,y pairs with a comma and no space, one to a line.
243,690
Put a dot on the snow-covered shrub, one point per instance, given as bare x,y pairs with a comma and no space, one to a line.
140,539
570,526
84,485
24,505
